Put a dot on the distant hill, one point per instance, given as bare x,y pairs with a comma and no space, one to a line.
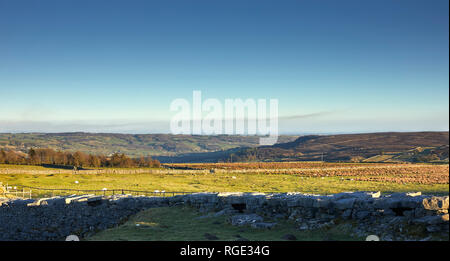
130,144
367,147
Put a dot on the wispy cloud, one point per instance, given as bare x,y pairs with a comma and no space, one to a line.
305,116
115,127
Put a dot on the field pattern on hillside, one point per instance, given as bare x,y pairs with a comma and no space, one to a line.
133,145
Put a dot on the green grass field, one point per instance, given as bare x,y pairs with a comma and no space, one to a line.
219,182
187,224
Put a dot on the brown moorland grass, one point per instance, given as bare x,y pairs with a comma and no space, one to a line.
383,172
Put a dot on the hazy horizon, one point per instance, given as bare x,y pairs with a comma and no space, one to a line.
114,67
244,135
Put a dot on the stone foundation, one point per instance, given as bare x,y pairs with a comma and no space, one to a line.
389,216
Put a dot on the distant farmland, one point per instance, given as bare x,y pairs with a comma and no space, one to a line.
134,145
317,178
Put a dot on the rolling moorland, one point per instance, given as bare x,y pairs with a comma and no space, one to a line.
369,162
391,147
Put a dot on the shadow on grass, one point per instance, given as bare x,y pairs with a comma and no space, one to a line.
180,223
54,166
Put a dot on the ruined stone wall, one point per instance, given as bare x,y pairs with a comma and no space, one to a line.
388,215
56,218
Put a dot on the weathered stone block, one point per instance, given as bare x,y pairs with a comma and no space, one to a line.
346,203
436,203
241,220
263,225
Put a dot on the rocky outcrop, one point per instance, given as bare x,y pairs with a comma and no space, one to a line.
388,216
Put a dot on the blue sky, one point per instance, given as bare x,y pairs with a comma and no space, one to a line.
115,66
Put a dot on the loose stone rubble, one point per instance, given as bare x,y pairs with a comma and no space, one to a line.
398,216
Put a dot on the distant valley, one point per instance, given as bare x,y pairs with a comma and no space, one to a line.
133,145
367,147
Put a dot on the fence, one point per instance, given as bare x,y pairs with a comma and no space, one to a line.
14,192
36,192
9,171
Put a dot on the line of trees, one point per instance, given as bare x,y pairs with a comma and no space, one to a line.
76,159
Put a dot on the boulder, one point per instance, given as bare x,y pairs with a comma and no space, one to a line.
432,220
358,195
346,203
82,198
263,225
322,202
242,220
226,211
362,214
436,203
305,201
347,214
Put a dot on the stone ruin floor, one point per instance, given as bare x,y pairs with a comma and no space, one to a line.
397,216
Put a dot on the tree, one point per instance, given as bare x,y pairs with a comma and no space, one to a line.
77,159
33,157
94,161
2,156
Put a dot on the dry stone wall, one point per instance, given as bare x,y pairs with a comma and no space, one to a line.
389,216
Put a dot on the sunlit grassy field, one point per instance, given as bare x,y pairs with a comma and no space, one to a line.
201,181
186,224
